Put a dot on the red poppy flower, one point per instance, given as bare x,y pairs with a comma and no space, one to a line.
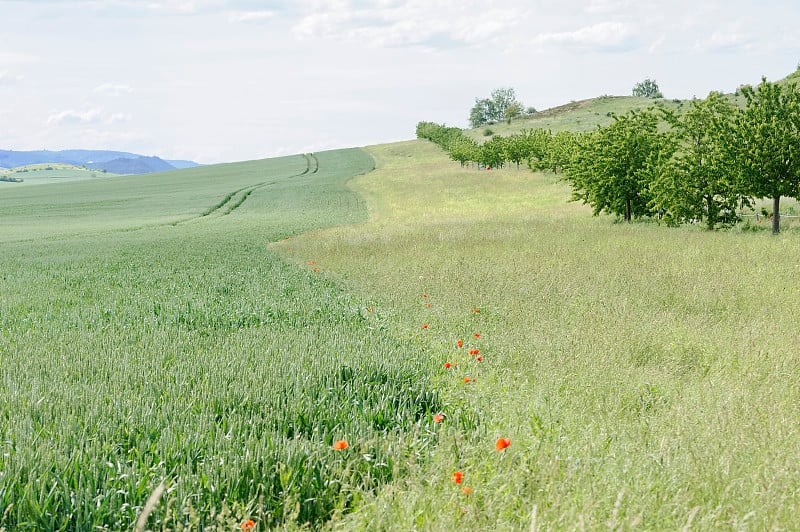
474,351
457,477
438,418
424,325
476,310
447,365
428,305
467,379
480,358
248,525
340,445
369,309
460,343
502,443
477,335
425,295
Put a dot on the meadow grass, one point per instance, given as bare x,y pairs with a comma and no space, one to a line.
145,351
647,376
208,330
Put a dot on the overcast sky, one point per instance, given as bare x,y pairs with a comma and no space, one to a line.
227,80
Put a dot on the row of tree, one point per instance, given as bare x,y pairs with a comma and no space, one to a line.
704,165
540,149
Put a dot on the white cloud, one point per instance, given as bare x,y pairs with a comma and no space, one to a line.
7,78
16,58
113,88
608,6
71,117
250,16
604,36
408,23
731,38
118,117
179,6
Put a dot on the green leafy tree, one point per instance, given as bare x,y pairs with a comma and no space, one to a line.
560,149
513,111
537,142
647,89
611,167
495,108
503,99
516,149
480,113
493,152
768,143
464,150
700,181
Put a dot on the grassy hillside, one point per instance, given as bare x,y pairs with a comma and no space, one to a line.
220,332
586,115
40,174
583,115
130,202
645,376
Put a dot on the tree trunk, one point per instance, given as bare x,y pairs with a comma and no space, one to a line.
711,218
776,215
627,210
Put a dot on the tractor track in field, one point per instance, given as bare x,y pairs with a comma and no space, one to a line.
229,203
235,199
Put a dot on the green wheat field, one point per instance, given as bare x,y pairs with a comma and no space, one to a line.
214,331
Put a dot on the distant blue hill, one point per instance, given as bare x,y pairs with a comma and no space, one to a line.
117,162
181,164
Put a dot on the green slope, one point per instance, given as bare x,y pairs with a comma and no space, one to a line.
586,115
40,174
130,202
148,334
647,377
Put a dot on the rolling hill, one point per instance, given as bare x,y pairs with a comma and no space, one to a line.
117,162
341,341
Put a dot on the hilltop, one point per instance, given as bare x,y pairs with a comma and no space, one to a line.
117,162
580,115
42,173
588,114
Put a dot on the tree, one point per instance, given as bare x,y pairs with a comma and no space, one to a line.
513,111
516,149
611,167
700,181
767,146
493,152
480,113
503,99
495,108
464,150
647,89
537,143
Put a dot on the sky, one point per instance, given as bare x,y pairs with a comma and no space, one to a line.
231,80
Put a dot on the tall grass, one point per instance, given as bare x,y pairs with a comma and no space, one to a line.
646,376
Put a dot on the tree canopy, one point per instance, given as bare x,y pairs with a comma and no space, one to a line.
767,145
612,167
501,105
647,89
700,182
